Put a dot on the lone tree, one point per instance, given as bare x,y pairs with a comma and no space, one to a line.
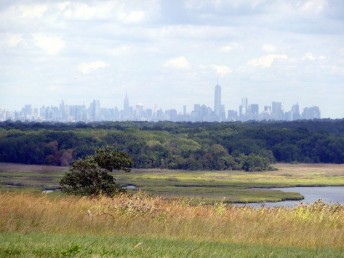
90,176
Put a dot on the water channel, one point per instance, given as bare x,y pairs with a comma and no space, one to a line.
328,194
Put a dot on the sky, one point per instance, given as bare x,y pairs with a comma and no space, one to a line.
172,53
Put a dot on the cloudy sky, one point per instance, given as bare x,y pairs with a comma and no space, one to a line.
170,53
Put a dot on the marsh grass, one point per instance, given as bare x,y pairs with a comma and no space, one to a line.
29,178
314,226
200,186
235,186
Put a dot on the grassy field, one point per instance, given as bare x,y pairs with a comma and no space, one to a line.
200,186
38,225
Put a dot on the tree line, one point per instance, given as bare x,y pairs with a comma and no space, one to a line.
250,146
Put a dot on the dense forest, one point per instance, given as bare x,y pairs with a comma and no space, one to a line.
191,146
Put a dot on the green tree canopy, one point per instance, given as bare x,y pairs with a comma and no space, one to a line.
112,160
90,176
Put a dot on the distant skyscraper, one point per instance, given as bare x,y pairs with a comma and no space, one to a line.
126,103
295,112
95,110
27,112
232,115
276,107
127,111
277,110
311,113
217,100
267,110
254,109
243,107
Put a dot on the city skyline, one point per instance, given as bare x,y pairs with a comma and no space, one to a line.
167,53
138,112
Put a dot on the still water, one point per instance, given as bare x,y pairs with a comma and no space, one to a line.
328,194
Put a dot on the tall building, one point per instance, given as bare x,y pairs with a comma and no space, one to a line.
295,112
276,107
26,112
277,111
126,103
127,111
94,110
244,103
243,108
232,115
217,100
311,113
254,109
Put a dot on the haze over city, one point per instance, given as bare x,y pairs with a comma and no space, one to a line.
172,53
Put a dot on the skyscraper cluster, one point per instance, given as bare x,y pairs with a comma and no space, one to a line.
94,112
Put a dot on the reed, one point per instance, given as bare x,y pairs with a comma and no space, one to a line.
318,225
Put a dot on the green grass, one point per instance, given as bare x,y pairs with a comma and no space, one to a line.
59,245
227,194
200,186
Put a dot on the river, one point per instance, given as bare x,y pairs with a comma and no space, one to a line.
328,194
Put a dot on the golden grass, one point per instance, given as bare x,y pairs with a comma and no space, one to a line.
314,226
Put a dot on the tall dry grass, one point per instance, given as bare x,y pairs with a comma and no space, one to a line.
317,225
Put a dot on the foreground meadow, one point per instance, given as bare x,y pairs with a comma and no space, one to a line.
140,226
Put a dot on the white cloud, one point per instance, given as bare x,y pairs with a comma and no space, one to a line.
313,6
85,11
13,40
269,48
63,6
49,44
221,70
134,17
297,9
100,10
32,11
266,61
125,49
54,88
230,47
217,4
310,57
195,32
92,66
179,62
